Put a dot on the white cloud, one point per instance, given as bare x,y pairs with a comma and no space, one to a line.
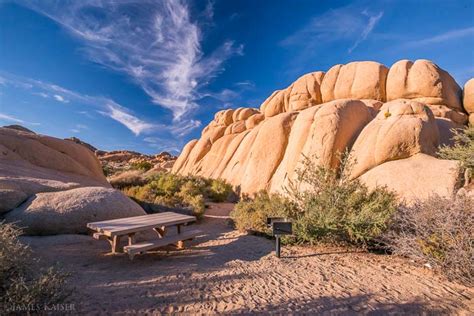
161,144
349,23
60,98
121,115
10,118
156,43
373,19
104,105
440,38
42,94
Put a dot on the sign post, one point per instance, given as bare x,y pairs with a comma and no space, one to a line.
280,226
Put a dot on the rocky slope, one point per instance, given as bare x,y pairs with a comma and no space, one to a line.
116,162
49,185
391,119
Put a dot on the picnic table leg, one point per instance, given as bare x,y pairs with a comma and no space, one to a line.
115,244
131,239
161,231
178,227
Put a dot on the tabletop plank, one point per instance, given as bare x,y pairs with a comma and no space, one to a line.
127,225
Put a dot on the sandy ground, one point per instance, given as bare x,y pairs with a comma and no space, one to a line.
224,271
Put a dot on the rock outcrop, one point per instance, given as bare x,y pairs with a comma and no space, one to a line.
119,161
388,118
468,99
35,167
68,212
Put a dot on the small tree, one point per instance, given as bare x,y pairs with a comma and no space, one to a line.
331,206
463,150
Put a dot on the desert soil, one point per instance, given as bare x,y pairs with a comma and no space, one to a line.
224,271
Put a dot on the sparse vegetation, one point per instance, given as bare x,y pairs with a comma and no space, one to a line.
463,149
22,282
173,190
251,214
127,179
324,206
438,231
141,165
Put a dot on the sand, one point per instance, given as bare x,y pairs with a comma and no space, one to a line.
224,271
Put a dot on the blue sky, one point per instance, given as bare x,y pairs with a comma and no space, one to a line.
149,75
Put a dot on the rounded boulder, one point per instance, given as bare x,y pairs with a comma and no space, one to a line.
68,212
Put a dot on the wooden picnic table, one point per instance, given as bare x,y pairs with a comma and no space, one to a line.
113,230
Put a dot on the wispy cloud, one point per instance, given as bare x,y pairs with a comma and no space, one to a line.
60,98
373,20
351,24
78,128
441,38
161,144
10,118
122,115
103,105
156,43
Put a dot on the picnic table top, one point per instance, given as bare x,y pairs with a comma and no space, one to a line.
123,226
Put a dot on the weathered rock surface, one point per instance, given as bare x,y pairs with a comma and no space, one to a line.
68,212
417,177
402,129
50,185
384,116
468,97
356,80
31,163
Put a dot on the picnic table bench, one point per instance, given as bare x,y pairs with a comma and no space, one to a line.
113,230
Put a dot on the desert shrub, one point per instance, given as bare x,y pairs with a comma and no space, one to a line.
196,203
167,184
127,179
439,231
22,282
140,193
251,214
219,190
463,149
141,165
331,206
173,190
107,170
325,205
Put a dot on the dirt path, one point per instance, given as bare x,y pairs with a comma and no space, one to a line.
228,272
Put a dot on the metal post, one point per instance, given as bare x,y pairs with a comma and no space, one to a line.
278,247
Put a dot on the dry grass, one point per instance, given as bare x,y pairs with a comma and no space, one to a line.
127,179
22,282
439,231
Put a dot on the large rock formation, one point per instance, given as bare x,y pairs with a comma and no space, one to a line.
67,212
388,118
32,165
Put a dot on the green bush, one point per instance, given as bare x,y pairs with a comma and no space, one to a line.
173,190
463,149
167,184
324,206
22,282
127,179
219,191
197,204
439,231
141,165
251,214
